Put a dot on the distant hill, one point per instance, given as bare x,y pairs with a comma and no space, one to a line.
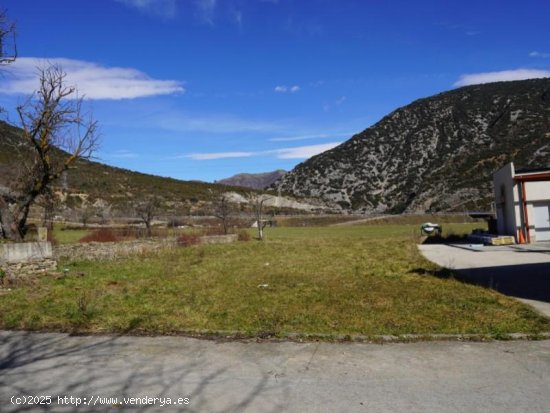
254,181
436,154
121,189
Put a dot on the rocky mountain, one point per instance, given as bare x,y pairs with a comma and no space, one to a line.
254,181
436,154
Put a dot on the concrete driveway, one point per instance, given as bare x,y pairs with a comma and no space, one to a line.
510,376
519,271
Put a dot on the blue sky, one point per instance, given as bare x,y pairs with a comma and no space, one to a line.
204,89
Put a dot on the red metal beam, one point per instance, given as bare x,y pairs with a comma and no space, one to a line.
534,177
525,215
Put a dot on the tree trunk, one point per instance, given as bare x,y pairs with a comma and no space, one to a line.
260,230
10,227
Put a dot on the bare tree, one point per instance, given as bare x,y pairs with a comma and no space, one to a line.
55,134
104,213
8,49
146,211
85,213
257,202
223,211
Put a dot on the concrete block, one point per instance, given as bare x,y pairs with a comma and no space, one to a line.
24,252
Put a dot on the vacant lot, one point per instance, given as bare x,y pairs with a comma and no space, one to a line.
365,280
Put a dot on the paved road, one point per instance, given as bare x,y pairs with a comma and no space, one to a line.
519,271
276,377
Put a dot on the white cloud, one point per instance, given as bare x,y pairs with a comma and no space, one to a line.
219,155
299,152
298,138
304,152
312,136
543,55
503,76
160,8
91,79
285,89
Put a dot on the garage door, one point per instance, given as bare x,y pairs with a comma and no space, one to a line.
542,221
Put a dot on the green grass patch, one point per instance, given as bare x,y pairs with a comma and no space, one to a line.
64,235
361,280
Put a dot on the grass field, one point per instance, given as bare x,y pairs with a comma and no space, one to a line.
360,280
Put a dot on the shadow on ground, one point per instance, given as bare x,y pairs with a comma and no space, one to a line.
530,281
108,367
448,239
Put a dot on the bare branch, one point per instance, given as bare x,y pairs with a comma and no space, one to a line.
146,211
7,35
57,135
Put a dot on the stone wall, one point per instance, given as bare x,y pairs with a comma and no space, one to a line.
97,251
28,258
219,239
30,268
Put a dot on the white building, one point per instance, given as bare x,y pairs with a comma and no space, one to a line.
522,200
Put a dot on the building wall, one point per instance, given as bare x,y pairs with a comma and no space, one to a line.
506,201
536,193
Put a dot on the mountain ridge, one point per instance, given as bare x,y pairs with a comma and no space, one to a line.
436,154
254,180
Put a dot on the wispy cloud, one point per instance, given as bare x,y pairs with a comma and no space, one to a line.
121,154
304,152
238,18
299,152
502,76
218,155
337,102
166,9
287,89
206,10
298,138
212,123
543,55
345,135
91,79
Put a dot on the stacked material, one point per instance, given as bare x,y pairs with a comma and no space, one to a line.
491,239
504,240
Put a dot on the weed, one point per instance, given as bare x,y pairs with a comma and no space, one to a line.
244,235
84,308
